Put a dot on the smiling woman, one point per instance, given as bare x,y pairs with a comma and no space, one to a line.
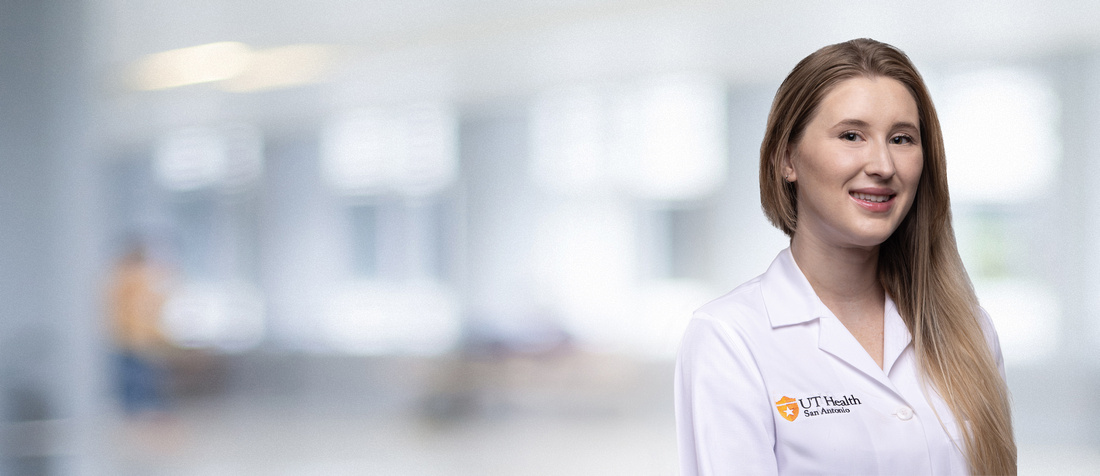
862,349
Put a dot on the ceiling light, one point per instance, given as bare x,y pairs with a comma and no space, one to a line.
192,65
286,66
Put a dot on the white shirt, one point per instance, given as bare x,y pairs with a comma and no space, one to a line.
768,381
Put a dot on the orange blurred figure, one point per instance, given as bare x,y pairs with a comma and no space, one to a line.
137,296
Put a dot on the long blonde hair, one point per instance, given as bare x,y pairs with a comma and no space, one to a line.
919,264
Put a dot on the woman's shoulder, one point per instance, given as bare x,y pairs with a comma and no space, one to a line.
739,308
732,330
777,298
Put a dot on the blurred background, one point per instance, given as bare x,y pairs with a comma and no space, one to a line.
463,237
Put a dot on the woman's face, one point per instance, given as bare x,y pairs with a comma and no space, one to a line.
857,163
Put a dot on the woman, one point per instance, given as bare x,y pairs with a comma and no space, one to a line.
862,349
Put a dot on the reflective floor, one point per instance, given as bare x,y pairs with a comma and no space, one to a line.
277,443
567,415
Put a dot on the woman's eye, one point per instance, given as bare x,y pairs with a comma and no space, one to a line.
902,140
850,136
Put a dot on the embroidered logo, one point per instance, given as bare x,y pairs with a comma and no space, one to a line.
788,408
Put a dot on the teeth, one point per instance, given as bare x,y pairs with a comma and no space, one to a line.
871,198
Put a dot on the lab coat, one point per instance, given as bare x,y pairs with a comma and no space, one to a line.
768,381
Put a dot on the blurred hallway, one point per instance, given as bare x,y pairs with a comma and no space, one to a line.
463,237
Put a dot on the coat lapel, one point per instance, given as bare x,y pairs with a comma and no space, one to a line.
834,339
791,300
895,336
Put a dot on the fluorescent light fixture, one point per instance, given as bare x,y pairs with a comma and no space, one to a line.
282,67
192,65
234,66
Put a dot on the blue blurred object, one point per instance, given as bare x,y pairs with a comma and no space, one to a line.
142,383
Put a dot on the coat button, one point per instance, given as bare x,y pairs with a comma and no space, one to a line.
904,413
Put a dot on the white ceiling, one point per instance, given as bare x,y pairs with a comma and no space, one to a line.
485,51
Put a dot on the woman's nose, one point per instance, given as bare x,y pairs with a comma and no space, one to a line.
880,163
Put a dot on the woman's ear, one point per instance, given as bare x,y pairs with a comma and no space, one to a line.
786,166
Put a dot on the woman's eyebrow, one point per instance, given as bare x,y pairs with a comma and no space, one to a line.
857,123
861,124
906,125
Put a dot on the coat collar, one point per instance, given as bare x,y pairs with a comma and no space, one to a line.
789,300
788,296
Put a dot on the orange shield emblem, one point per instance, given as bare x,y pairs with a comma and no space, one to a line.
788,408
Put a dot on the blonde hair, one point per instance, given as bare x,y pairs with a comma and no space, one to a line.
919,264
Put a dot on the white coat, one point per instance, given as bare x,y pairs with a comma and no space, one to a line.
768,381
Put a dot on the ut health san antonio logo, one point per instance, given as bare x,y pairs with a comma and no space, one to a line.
817,405
788,408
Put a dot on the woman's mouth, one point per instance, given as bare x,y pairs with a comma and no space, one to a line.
874,202
871,198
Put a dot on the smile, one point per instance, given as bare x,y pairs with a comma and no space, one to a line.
874,202
871,198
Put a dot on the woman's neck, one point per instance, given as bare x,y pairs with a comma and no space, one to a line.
840,276
846,281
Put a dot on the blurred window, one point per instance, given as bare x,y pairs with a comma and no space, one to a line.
195,221
228,157
675,255
222,315
393,165
398,298
400,238
363,229
207,179
625,166
419,317
409,150
661,139
674,243
1000,130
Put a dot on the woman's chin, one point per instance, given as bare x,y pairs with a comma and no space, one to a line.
872,238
